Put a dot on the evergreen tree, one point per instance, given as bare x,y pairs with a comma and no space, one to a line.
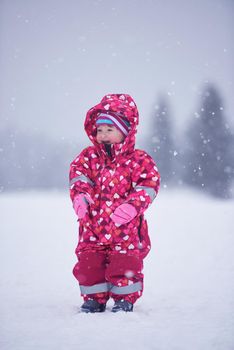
208,157
161,143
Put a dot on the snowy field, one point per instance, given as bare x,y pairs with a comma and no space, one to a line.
188,303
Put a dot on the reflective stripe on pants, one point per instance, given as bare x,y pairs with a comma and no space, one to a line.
108,287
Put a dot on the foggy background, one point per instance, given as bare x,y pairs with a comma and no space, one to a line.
175,58
58,58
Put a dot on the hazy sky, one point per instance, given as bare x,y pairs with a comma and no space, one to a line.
59,58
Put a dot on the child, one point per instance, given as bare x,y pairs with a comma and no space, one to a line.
111,185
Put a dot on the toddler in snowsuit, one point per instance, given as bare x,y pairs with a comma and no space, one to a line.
111,185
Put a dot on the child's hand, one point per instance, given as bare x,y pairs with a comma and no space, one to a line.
80,204
124,214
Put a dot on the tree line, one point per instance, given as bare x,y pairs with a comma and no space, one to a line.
33,161
203,157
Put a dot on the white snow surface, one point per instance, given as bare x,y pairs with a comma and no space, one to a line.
188,301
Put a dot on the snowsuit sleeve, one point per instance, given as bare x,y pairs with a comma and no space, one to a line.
80,175
145,182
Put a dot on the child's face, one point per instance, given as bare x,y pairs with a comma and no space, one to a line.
109,134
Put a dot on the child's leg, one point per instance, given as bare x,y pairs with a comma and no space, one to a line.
90,273
124,273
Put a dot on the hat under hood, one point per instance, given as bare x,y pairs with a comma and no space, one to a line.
114,104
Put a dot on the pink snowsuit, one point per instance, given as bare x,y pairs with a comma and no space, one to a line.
110,257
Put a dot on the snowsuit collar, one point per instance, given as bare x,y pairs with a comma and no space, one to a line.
117,103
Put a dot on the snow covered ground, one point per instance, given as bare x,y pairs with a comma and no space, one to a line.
188,301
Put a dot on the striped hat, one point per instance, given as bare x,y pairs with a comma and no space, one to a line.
119,121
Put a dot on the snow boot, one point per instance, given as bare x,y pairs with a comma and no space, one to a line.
122,305
92,306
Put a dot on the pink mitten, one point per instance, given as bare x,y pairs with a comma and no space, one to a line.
80,204
123,214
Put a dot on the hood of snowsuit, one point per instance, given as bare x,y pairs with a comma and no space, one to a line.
122,104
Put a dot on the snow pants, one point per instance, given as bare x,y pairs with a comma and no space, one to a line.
103,272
